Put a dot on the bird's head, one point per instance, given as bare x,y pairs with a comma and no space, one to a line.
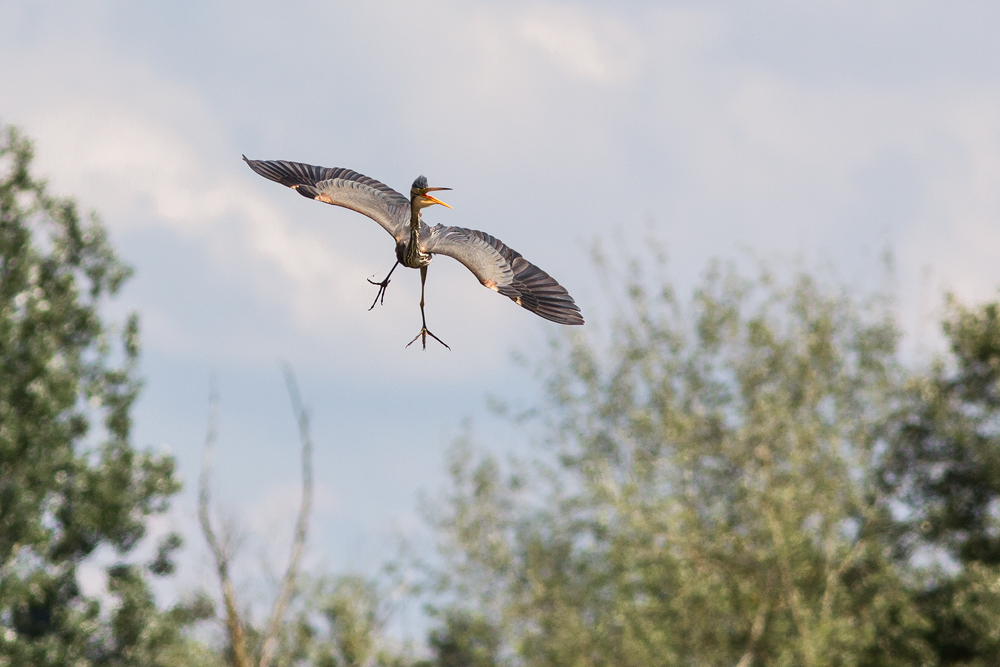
419,196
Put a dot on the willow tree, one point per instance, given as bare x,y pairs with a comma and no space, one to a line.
706,495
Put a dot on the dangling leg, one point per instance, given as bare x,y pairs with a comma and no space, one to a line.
382,285
424,332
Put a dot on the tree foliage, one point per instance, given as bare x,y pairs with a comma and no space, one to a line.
708,495
943,470
70,481
341,623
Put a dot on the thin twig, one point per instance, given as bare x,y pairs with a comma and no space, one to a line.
298,544
233,623
799,611
756,632
833,577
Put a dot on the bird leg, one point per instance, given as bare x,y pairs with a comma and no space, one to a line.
382,285
424,331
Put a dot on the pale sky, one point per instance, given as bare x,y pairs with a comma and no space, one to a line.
821,130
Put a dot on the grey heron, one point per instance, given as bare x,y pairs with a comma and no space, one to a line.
497,266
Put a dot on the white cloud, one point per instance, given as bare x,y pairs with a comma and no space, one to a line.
141,173
555,122
150,153
715,140
600,49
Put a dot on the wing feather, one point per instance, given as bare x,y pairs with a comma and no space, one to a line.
342,187
504,270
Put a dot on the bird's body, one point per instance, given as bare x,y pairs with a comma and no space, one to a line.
408,252
496,265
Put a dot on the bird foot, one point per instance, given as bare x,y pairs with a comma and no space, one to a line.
380,297
424,333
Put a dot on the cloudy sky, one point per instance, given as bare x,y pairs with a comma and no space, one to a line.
822,130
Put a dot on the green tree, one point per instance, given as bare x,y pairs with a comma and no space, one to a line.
706,496
70,481
464,640
943,470
341,623
334,621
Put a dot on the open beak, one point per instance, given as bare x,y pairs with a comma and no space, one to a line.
435,200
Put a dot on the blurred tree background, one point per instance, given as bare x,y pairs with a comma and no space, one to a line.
751,476
710,496
70,481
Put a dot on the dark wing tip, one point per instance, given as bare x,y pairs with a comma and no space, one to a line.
537,291
301,177
526,285
567,317
571,318
558,308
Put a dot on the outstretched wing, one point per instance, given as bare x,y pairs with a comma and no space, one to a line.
342,187
503,270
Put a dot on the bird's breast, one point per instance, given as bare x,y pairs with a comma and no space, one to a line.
409,254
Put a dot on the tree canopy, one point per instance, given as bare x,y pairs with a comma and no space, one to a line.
750,478
71,481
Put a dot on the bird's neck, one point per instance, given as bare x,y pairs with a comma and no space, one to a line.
414,226
412,256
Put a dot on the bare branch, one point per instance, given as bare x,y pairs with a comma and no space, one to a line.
834,574
298,544
800,613
756,632
234,626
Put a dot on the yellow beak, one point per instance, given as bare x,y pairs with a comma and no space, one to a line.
435,200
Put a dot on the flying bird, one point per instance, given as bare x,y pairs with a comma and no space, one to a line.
496,265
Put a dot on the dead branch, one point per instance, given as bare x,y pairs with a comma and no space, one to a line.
301,526
233,624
